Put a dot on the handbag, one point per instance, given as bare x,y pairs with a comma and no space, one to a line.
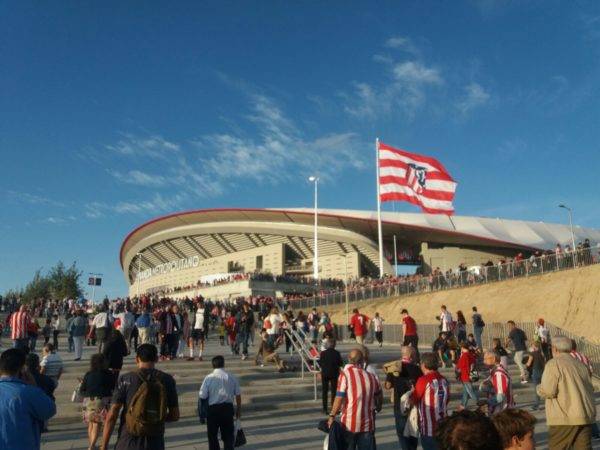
240,436
76,396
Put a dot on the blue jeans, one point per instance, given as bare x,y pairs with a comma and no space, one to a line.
468,392
478,331
536,378
406,443
360,441
428,443
242,338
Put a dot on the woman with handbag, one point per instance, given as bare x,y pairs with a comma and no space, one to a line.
96,389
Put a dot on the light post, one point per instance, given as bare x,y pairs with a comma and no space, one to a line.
137,278
315,180
570,211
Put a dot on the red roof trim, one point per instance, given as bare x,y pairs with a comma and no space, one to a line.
287,211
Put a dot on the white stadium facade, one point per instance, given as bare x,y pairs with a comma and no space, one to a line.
183,254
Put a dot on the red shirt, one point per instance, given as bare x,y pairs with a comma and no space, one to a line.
465,362
411,326
359,324
358,388
431,395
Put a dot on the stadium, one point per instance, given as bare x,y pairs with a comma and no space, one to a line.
211,251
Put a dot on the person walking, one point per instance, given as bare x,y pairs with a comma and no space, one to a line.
138,429
403,381
536,362
567,388
78,329
245,321
56,324
19,322
199,331
143,323
409,331
24,407
446,322
464,367
360,325
461,327
478,326
378,328
101,327
518,338
96,389
498,386
358,397
115,351
219,390
431,396
330,361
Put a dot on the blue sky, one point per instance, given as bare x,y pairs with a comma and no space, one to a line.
113,113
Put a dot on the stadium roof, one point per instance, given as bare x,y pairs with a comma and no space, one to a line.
408,227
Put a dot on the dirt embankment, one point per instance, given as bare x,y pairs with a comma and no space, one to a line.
569,299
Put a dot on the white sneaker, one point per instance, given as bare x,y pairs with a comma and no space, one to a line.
244,357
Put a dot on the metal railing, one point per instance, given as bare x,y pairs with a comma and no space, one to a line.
392,334
474,276
298,339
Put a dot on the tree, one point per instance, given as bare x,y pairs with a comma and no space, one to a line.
38,287
60,282
64,282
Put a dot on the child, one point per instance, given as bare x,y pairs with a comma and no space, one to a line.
497,347
221,330
47,331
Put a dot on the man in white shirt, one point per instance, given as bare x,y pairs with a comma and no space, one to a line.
378,328
217,393
198,336
446,319
272,324
101,326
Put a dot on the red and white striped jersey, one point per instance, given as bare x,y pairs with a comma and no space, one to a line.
431,395
502,385
18,325
583,359
358,388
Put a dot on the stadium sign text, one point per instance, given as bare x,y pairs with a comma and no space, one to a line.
171,266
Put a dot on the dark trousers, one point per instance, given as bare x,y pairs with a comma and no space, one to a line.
379,336
406,443
55,339
326,383
220,417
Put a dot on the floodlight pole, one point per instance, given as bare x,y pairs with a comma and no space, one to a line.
570,211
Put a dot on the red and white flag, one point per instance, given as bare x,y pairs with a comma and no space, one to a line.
416,179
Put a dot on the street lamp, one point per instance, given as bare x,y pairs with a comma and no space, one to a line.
315,180
139,268
345,255
570,211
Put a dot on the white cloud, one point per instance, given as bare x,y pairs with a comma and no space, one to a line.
475,96
139,178
279,151
405,91
32,199
401,43
156,204
153,146
59,220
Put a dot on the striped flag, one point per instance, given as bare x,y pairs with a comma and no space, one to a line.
417,179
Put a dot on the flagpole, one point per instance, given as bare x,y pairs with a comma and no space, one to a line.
380,234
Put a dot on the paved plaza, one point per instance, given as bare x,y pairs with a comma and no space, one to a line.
278,410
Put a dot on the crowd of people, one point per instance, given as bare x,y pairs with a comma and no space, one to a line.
156,329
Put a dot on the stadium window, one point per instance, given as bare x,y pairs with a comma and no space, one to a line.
259,262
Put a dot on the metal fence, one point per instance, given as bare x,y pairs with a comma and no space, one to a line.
392,334
472,277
